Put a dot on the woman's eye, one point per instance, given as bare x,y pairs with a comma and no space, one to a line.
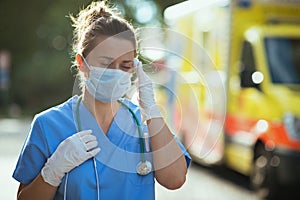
126,67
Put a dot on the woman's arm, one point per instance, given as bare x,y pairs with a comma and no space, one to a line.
36,190
168,159
69,154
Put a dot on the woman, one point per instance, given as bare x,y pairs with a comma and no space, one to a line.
90,147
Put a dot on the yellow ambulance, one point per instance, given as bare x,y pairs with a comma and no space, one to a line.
232,92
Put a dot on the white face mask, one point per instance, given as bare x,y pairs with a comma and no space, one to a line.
107,85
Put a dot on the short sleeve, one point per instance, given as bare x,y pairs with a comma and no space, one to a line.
33,155
187,156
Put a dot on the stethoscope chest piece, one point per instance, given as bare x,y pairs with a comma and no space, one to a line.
144,167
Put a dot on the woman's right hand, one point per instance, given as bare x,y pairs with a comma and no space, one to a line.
149,108
70,153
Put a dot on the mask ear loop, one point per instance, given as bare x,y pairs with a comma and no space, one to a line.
85,61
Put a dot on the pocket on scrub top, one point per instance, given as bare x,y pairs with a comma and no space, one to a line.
133,176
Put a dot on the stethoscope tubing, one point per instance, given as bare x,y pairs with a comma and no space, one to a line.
146,168
144,143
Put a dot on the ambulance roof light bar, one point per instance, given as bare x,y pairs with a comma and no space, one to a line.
178,10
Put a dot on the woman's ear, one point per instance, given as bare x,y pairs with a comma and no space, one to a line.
80,65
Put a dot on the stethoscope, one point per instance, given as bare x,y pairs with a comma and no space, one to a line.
143,168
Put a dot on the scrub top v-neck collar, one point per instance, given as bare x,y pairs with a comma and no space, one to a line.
113,153
88,121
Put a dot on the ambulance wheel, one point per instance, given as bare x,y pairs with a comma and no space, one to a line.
262,178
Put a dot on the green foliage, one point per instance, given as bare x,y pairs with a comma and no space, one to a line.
39,36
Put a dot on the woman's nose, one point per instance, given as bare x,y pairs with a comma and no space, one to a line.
114,65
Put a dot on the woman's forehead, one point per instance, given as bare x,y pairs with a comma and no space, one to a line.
112,47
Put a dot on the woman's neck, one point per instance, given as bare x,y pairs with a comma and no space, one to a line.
102,111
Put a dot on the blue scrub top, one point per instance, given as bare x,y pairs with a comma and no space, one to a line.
115,163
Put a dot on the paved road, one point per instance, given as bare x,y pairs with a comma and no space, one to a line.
202,183
12,136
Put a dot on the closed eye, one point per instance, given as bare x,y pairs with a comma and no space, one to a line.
126,66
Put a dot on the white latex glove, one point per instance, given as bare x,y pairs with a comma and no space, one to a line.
147,102
70,153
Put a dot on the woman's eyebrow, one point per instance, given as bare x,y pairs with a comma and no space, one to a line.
112,59
106,57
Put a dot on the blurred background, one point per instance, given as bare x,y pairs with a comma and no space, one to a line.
250,46
35,65
36,54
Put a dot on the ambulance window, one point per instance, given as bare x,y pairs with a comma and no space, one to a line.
247,66
283,59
